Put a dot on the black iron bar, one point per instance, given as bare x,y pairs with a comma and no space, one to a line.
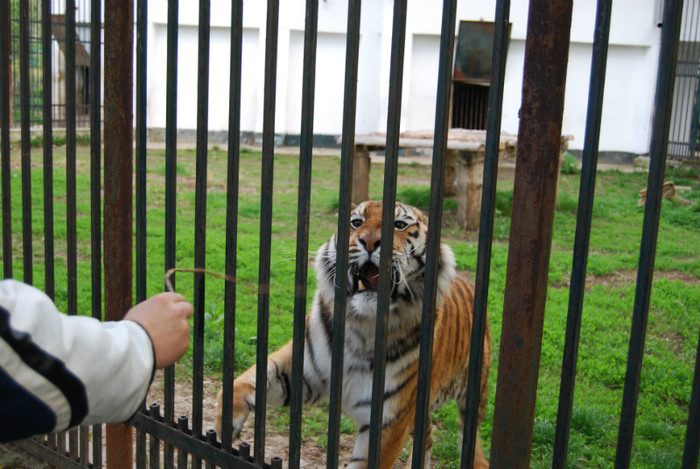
140,155
200,238
347,155
276,463
73,443
71,176
437,184
170,222
84,444
692,435
244,450
5,138
26,144
49,268
663,104
234,132
488,205
95,154
211,439
303,220
583,231
183,428
141,457
61,443
268,157
398,42
140,190
154,447
536,175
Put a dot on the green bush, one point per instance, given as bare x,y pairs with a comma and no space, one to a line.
570,164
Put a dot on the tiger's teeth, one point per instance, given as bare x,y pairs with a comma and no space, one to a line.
361,286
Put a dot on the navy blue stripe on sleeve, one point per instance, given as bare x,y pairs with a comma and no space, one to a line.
24,415
50,367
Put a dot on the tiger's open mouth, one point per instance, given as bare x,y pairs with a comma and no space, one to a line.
367,278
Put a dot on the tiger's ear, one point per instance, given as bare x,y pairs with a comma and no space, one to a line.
353,206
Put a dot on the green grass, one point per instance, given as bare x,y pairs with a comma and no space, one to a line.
614,251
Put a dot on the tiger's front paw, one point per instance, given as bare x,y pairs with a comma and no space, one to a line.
243,403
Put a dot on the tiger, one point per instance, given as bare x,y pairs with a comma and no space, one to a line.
452,334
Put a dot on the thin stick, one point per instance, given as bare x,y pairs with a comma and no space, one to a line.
169,273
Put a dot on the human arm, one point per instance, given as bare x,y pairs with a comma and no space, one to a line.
58,371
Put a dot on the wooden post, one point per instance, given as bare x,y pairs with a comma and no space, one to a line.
470,174
451,173
360,175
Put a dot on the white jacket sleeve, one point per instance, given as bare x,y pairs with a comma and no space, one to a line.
74,369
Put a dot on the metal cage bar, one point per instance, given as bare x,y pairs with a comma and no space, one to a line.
234,126
539,142
170,221
140,154
344,208
71,176
71,187
5,97
663,103
483,266
268,159
437,184
49,268
304,218
95,183
583,231
201,220
398,42
24,86
140,197
118,203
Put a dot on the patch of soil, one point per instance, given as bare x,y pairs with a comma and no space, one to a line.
622,278
276,442
13,457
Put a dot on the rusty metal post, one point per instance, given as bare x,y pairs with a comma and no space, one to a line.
539,140
118,185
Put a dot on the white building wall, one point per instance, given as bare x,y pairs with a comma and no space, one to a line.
630,82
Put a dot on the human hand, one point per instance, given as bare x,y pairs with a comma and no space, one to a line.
164,316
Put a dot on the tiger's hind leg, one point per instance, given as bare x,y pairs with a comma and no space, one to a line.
428,449
394,435
480,461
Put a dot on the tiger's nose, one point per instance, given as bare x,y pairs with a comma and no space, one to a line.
370,242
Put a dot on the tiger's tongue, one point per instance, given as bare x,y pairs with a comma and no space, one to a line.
372,276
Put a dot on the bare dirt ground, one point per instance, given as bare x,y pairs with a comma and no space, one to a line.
313,456
629,277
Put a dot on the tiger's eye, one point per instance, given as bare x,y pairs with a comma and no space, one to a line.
356,222
400,225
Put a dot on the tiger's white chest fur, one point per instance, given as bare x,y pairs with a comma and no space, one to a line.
359,344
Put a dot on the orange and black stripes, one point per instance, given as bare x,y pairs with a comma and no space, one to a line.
452,335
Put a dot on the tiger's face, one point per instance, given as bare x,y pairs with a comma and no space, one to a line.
408,260
365,244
